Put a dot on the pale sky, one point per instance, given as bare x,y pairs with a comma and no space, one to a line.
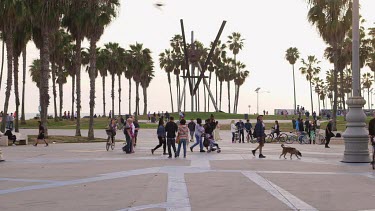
269,27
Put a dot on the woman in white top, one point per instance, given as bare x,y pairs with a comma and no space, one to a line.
233,129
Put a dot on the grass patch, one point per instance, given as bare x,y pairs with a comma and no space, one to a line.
66,139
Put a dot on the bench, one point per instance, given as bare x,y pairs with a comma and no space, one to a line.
21,139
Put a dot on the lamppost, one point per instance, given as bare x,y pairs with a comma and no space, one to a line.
249,108
355,135
257,91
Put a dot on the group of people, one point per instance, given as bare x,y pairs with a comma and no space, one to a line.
311,127
153,117
9,119
172,133
130,128
238,131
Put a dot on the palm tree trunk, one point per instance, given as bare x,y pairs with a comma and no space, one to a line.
9,45
61,94
235,97
318,104
73,89
170,90
228,82
119,94
2,62
209,86
205,98
16,92
311,98
216,88
137,97
44,79
92,71
144,99
130,95
53,70
103,85
178,93
221,92
335,73
113,96
342,89
238,94
78,89
23,119
294,88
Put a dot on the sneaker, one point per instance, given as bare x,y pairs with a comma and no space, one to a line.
169,156
46,145
14,145
165,153
191,149
328,147
262,156
253,151
202,150
152,151
176,156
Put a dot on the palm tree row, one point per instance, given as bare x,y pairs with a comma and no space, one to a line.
226,69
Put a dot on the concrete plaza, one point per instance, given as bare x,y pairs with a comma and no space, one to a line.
86,177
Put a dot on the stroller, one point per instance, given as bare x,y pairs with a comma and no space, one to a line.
210,144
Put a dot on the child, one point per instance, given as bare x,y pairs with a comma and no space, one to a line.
212,144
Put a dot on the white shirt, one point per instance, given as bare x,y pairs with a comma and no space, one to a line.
233,128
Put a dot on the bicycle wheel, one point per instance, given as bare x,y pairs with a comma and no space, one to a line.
305,139
107,143
269,138
290,139
283,137
320,139
113,145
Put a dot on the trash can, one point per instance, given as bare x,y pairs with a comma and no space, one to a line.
246,116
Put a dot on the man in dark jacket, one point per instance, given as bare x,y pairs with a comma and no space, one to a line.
240,127
171,129
300,126
294,123
328,133
248,127
259,131
191,127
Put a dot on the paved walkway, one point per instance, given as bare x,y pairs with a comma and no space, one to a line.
86,177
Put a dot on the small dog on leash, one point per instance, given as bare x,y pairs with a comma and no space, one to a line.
291,150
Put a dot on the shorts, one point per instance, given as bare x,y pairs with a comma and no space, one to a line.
41,136
260,140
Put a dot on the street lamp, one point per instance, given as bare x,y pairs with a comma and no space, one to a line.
249,108
355,135
257,91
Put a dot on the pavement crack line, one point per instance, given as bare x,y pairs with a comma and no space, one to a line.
284,196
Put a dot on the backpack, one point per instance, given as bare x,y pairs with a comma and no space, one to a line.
255,131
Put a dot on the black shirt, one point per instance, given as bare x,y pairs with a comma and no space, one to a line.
171,129
371,127
136,125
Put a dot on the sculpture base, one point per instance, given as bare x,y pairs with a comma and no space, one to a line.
356,136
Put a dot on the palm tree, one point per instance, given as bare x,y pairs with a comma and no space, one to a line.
146,76
333,21
292,55
22,36
115,53
76,21
166,63
62,75
221,77
240,77
102,66
34,70
2,57
11,13
319,84
371,62
128,72
140,60
100,15
367,80
310,69
235,44
229,75
69,66
216,61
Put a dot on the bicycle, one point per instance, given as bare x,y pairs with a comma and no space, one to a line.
320,139
282,137
302,138
249,138
110,142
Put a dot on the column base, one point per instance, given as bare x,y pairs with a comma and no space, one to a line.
356,136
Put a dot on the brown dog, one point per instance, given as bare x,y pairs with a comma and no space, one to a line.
291,150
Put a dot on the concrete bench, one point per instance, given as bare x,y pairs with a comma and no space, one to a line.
21,139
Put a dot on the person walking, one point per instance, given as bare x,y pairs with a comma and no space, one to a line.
199,130
191,127
217,136
248,127
136,130
41,135
128,148
161,136
294,123
11,122
233,130
171,129
260,135
312,129
183,133
240,127
329,133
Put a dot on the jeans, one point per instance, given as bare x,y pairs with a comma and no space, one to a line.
192,135
183,142
161,143
232,137
171,142
198,141
241,136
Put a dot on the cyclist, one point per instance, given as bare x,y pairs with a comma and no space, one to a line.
112,127
276,129
248,127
